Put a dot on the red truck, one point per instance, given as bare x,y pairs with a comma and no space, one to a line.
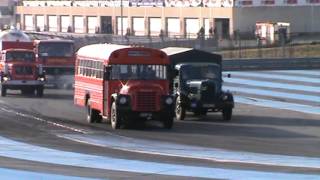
18,67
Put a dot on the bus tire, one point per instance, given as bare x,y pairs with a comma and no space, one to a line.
115,117
3,91
93,115
180,110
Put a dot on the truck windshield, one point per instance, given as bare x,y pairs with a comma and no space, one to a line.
20,56
140,71
200,72
55,49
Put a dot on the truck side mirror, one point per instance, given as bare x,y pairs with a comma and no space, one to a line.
176,85
229,75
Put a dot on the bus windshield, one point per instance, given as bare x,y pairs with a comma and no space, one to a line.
20,56
190,72
138,71
55,49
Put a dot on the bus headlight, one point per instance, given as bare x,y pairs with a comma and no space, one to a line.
169,100
6,78
123,100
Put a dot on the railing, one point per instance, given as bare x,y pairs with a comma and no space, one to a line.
298,46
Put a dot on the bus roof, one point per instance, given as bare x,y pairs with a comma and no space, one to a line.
53,40
180,55
137,55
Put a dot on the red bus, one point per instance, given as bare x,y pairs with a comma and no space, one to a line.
123,84
58,58
18,67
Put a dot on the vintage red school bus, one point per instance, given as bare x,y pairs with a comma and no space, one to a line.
123,84
58,58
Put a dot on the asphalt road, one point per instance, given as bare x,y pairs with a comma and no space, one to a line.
54,122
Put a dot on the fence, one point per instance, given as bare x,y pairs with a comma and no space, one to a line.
300,46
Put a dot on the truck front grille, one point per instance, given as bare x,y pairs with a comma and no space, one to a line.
146,101
208,93
23,70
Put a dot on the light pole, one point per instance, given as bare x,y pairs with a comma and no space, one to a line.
121,15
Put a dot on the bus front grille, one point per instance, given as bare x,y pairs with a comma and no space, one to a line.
146,101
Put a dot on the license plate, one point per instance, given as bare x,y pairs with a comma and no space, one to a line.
145,114
208,105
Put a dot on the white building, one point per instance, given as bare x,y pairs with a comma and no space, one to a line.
7,8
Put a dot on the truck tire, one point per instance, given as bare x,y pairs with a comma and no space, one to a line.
180,110
226,114
115,117
167,122
39,91
3,91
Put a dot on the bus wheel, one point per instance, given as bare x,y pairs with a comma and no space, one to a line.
39,91
92,115
180,110
227,114
3,91
115,117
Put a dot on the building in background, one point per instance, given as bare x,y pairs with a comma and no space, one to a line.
7,11
174,18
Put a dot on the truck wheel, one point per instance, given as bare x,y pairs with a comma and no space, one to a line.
39,91
180,110
115,117
3,91
168,122
227,114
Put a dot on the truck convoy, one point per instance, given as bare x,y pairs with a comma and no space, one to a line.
18,67
58,58
196,83
123,84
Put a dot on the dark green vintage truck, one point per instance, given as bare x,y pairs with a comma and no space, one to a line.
196,83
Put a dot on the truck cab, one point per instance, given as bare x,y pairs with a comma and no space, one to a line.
18,67
197,83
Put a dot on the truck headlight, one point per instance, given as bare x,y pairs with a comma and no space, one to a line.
169,100
6,78
123,100
41,79
224,97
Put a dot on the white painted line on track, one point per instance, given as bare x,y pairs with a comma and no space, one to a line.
285,86
301,72
278,105
187,151
44,120
269,75
272,93
18,150
13,174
